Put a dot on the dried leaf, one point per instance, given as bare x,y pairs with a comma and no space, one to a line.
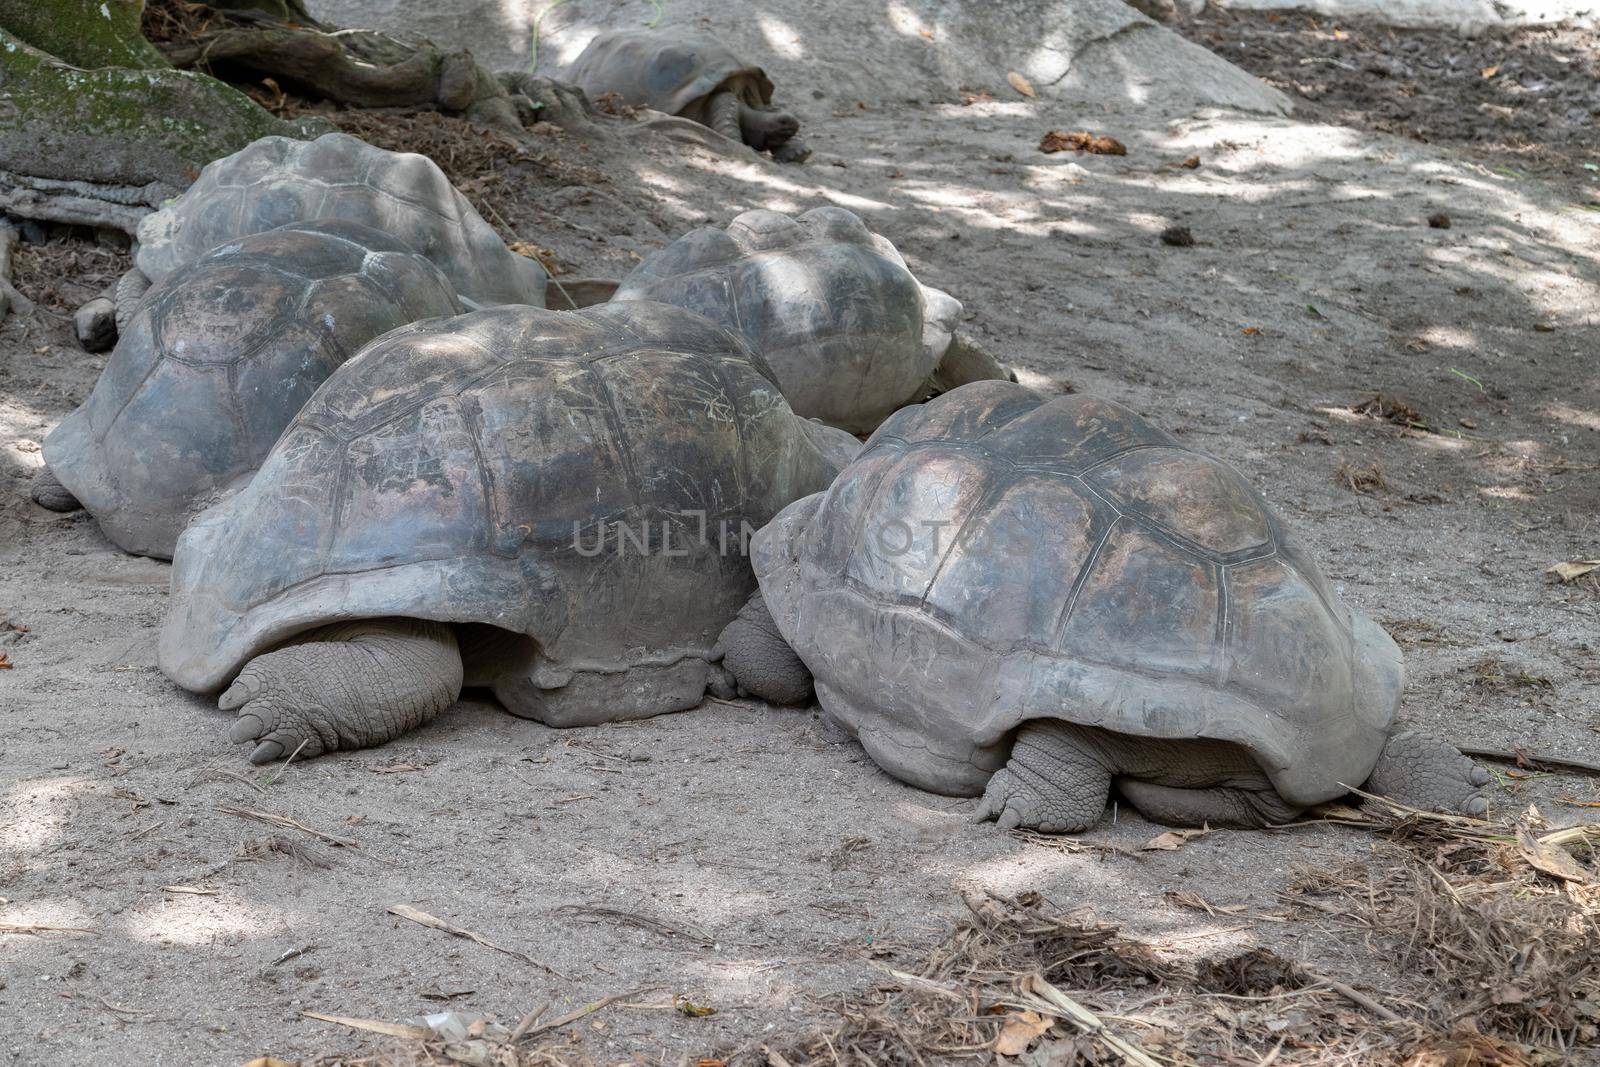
1020,84
1251,331
269,1061
1081,141
1172,840
5,662
1489,72
1573,569
691,1009
1550,858
1021,1029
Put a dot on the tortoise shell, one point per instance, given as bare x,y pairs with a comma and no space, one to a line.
279,180
993,557
671,70
586,481
831,306
217,360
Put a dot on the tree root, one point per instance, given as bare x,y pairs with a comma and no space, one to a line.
10,299
116,207
356,67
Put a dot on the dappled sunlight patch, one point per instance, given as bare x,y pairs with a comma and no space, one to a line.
781,37
35,927
36,814
1443,335
907,22
200,919
1581,417
1443,441
22,432
1033,379
1028,865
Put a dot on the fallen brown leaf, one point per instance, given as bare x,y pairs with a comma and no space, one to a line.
1549,858
688,1007
1021,1029
1173,840
1570,571
1081,141
1020,84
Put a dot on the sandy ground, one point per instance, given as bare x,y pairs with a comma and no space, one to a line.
785,862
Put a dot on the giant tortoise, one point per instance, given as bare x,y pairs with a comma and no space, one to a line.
278,180
830,305
551,504
1035,600
695,76
217,359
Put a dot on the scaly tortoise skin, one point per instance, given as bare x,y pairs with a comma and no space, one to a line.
692,75
572,490
830,306
217,359
1032,599
279,180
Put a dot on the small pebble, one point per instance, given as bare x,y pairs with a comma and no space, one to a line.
1439,221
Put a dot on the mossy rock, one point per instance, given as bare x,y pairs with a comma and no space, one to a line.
121,126
84,33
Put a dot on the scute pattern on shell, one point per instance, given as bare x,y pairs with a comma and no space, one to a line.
217,360
831,306
671,70
993,557
582,478
279,180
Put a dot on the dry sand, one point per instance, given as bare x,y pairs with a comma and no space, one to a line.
1315,284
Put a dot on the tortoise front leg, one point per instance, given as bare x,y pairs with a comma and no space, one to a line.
350,685
767,128
722,115
1057,780
760,660
131,288
48,492
1428,772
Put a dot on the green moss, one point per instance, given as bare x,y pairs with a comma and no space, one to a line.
84,33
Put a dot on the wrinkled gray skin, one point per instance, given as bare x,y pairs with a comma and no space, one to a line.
831,306
1036,600
215,360
692,75
549,504
277,180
